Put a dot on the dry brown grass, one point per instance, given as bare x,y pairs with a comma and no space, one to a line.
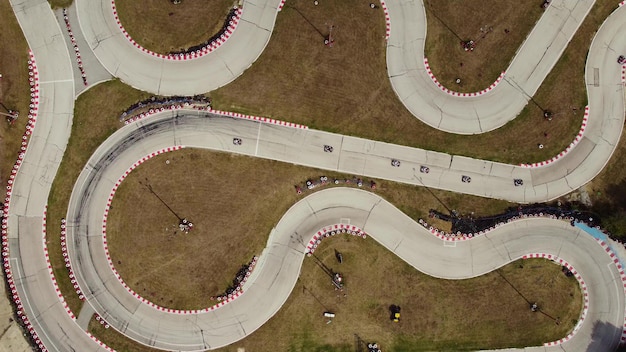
229,205
481,313
485,22
484,312
14,88
345,89
57,4
163,27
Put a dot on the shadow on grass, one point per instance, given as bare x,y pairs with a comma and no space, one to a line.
613,204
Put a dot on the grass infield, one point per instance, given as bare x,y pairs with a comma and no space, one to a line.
228,204
345,89
162,27
480,313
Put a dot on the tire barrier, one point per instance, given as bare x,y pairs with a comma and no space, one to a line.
33,77
156,103
66,259
258,118
281,5
583,289
324,181
236,115
457,94
577,139
229,298
240,279
101,320
332,230
623,73
195,52
95,339
51,272
79,61
387,19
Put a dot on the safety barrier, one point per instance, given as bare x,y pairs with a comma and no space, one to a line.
79,61
66,259
332,230
32,119
238,283
457,94
108,256
583,288
387,19
51,272
623,73
281,5
237,115
95,339
228,31
259,118
577,139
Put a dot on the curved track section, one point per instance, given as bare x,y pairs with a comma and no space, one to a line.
147,72
283,256
46,312
469,115
279,264
405,61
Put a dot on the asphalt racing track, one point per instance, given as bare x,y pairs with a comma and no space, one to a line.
279,264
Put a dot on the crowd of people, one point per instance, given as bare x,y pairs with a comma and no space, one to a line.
473,225
158,102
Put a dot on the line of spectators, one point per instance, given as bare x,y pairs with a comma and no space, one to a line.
155,102
470,224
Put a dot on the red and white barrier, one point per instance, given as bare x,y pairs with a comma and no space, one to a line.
457,94
331,231
281,5
576,140
387,19
237,115
95,339
229,298
259,119
622,3
623,73
51,272
66,259
184,56
33,78
79,61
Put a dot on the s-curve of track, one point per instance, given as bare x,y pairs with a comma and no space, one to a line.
279,264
